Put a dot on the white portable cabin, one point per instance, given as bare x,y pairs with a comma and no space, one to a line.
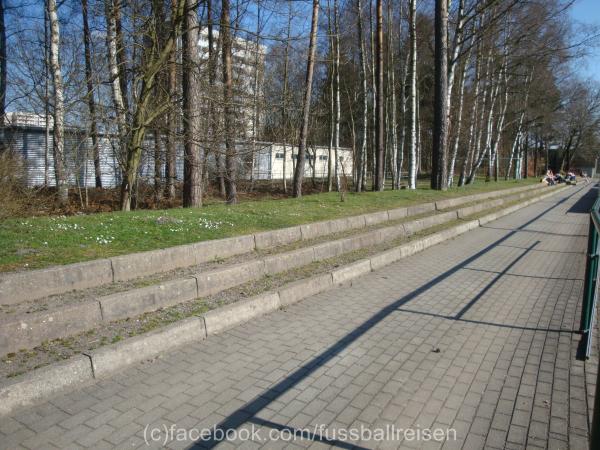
269,161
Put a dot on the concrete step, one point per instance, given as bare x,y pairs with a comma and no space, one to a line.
16,287
26,330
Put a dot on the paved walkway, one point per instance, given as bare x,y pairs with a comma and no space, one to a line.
471,339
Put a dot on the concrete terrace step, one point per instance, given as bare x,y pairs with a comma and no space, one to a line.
84,369
16,287
18,331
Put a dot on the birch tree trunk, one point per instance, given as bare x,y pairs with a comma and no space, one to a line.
412,163
400,157
518,165
487,149
120,55
493,160
373,99
526,156
331,127
517,141
479,152
457,128
514,148
87,43
536,149
299,169
59,111
461,93
193,152
115,83
419,159
337,94
473,120
456,49
46,98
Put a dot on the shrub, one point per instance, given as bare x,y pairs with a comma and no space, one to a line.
15,197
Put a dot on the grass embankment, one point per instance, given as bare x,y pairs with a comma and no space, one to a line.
37,242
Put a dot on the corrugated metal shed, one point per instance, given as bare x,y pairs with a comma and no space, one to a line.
29,141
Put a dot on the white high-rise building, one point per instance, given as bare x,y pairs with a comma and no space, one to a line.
248,60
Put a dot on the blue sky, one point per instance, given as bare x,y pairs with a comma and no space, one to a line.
588,12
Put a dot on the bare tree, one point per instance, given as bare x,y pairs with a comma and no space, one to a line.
87,41
46,99
380,119
284,95
519,134
147,105
495,142
459,114
230,150
173,114
332,101
400,156
412,170
3,69
147,110
490,92
473,119
212,113
256,89
374,98
115,76
439,177
59,107
337,93
193,152
456,50
361,160
121,56
310,64
391,81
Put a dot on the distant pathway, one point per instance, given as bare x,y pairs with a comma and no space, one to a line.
473,338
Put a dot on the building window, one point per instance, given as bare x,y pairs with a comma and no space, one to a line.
279,155
322,157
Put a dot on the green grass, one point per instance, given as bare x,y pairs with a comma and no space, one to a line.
31,243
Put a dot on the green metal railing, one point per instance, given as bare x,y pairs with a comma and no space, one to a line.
590,292
588,310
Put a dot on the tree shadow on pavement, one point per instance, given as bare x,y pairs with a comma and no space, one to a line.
247,412
585,202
